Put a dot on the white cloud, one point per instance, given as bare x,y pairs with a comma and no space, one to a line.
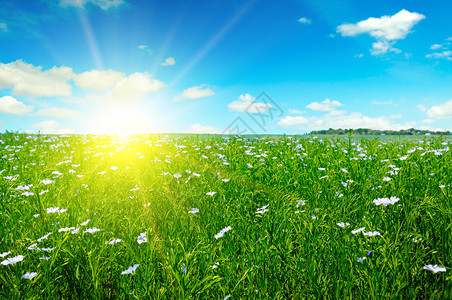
295,111
145,48
290,121
198,128
442,111
3,27
28,80
51,127
135,85
435,46
386,29
325,105
304,20
104,4
58,113
422,108
246,104
195,92
444,55
9,105
170,61
98,80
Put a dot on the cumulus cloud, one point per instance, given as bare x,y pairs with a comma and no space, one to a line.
28,80
195,92
135,85
198,128
98,80
304,20
104,4
441,55
442,111
325,105
290,121
170,61
3,27
386,29
246,103
58,113
9,105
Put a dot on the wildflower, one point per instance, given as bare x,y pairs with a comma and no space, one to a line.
369,253
52,210
358,230
222,232
225,180
342,224
85,223
130,270
114,241
215,265
44,237
48,249
211,193
360,259
386,179
194,210
29,275
262,210
435,268
344,170
27,193
43,192
386,201
142,238
45,257
114,168
177,176
91,230
47,181
5,254
372,233
12,260
183,268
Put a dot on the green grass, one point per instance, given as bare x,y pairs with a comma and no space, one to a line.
290,251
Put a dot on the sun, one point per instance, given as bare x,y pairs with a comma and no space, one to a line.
121,120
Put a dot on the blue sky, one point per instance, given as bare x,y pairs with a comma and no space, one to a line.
124,66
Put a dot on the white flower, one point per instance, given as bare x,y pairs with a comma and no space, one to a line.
130,270
45,257
142,238
114,168
44,237
65,229
52,210
386,201
344,170
47,181
211,193
222,232
29,275
372,233
5,254
342,224
435,268
85,223
386,179
358,230
75,231
91,230
177,176
194,210
262,210
114,241
215,265
225,180
12,260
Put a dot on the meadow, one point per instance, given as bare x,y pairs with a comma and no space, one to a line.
218,217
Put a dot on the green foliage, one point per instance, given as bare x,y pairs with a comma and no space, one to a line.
284,199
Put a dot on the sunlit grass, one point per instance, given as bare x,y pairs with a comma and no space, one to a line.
195,217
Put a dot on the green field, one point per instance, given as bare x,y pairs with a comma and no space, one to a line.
189,217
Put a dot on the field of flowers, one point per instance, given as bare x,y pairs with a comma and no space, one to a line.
96,217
